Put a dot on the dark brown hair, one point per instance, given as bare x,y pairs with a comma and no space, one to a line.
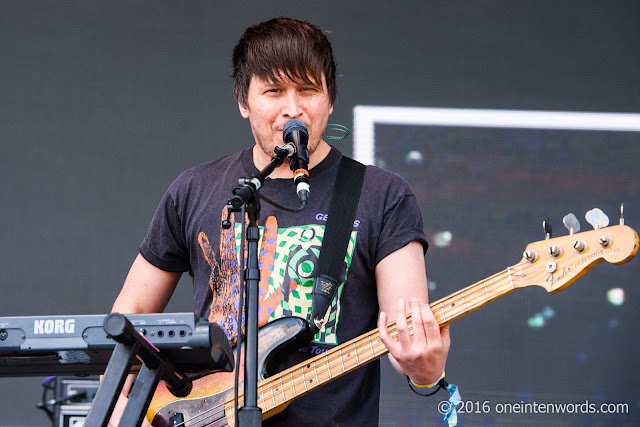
281,47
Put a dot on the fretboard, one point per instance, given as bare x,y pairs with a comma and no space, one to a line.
319,370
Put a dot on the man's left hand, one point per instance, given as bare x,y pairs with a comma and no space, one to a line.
421,355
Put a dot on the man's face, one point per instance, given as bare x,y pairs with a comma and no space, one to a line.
271,104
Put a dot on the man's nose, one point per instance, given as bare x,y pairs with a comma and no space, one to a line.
292,104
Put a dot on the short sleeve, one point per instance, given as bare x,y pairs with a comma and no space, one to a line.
164,245
401,225
401,217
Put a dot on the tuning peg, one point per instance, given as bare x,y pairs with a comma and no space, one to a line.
571,223
546,225
597,218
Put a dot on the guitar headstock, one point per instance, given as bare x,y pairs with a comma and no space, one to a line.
556,263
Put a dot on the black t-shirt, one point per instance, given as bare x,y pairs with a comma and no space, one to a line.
186,235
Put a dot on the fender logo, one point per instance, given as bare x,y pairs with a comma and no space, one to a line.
553,280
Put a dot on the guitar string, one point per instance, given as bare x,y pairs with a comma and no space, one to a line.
329,362
472,303
278,377
464,295
367,338
217,423
207,414
393,333
471,298
524,272
469,294
527,264
330,365
203,416
241,397
468,299
517,272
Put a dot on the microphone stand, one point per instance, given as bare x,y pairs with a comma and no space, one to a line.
246,197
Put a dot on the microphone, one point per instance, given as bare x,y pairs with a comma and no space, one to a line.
295,133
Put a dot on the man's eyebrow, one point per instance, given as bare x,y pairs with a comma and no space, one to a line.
284,82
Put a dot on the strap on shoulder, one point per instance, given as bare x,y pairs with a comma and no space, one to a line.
342,213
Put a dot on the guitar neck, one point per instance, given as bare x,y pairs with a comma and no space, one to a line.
553,264
291,383
477,295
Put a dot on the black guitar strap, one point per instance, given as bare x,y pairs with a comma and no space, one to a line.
342,213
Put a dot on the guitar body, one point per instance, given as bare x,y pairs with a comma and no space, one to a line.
210,402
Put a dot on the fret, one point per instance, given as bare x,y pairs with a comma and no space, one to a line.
315,371
373,354
341,359
304,380
273,396
444,317
261,398
293,384
326,357
284,397
484,284
355,350
464,303
510,277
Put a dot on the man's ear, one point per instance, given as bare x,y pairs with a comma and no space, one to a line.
244,111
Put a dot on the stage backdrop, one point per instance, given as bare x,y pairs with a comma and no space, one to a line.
104,103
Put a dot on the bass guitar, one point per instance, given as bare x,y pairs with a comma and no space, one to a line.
553,264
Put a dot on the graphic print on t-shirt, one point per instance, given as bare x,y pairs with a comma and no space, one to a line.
287,259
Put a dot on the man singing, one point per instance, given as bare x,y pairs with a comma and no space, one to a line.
284,69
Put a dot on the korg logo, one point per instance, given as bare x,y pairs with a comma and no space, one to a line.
50,326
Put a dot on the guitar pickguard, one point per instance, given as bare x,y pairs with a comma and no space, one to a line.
211,400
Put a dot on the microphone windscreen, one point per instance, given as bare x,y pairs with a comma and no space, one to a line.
292,125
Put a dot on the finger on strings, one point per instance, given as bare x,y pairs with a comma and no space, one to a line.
401,324
431,326
419,336
385,337
446,338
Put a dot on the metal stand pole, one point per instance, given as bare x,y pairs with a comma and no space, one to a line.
247,194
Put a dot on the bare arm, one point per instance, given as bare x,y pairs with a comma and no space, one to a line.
147,289
402,287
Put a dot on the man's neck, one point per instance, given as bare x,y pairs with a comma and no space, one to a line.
260,160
